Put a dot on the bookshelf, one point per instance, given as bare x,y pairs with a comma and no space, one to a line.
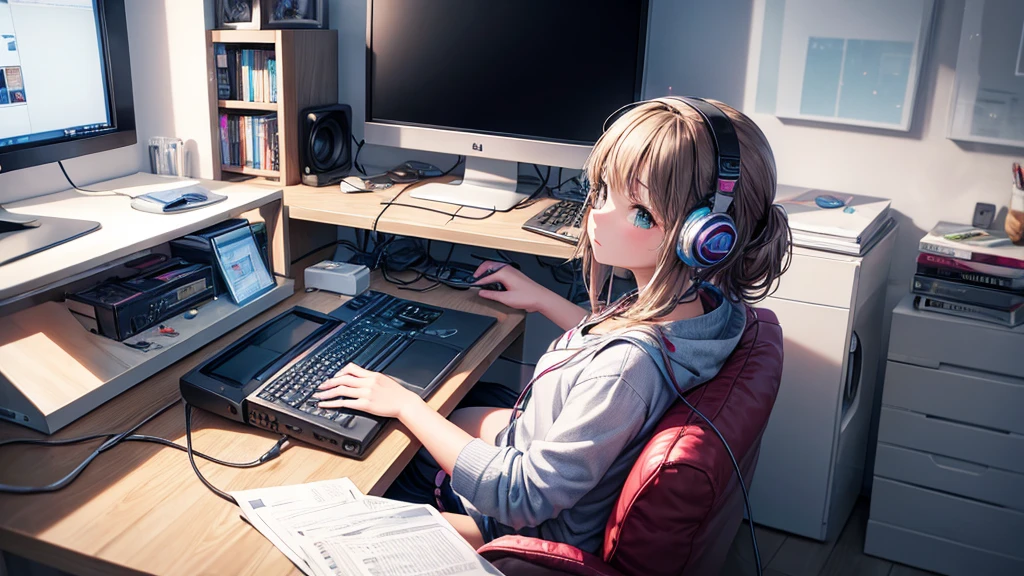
307,75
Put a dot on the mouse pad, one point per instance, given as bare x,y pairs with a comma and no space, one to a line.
50,232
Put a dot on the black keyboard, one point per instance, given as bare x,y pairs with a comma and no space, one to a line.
562,221
295,387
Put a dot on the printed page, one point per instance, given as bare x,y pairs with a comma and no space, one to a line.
261,506
408,539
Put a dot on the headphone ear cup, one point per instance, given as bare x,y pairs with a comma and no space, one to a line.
706,238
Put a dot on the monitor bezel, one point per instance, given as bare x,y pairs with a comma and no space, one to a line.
114,32
483,144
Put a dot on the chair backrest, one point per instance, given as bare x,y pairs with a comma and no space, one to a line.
681,505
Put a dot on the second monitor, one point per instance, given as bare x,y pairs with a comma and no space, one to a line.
500,83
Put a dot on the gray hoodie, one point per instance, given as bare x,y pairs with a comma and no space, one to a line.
556,472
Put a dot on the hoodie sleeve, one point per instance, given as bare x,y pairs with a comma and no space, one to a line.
599,418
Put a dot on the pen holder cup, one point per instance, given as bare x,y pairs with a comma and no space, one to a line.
166,156
1015,216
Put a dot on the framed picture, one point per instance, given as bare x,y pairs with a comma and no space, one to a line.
839,61
988,89
237,14
278,14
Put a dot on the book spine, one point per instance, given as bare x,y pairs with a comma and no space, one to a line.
1006,318
966,293
976,278
964,254
225,140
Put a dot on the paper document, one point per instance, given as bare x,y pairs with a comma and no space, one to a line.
329,528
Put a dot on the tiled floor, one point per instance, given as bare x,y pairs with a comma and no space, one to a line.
786,555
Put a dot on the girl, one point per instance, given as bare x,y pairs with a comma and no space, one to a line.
553,468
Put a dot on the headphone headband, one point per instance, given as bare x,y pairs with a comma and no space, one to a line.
723,139
708,235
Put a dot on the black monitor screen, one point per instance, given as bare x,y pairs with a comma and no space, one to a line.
541,69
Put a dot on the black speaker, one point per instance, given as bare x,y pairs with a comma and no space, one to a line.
325,144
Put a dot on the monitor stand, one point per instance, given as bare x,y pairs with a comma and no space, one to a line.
488,184
22,234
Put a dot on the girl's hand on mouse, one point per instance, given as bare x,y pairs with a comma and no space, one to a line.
520,291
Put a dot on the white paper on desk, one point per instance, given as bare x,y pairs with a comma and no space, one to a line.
262,506
408,539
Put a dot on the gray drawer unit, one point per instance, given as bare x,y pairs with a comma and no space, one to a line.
948,489
937,554
932,339
975,398
935,435
977,481
976,524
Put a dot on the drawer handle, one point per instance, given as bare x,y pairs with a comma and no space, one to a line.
958,465
966,425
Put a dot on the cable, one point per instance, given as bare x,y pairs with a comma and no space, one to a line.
514,361
355,159
453,215
90,192
192,460
115,438
66,480
732,458
393,203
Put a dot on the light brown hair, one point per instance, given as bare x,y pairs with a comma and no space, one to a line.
666,145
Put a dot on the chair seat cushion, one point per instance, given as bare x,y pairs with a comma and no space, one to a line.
521,555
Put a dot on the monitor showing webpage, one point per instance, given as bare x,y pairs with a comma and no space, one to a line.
53,78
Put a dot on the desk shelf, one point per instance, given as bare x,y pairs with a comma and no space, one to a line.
52,370
58,371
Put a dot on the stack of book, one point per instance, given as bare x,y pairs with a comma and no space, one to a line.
972,273
249,141
246,74
835,222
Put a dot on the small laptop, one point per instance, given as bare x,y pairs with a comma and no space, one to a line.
267,377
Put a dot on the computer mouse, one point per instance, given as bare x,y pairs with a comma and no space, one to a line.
828,201
496,286
401,175
194,197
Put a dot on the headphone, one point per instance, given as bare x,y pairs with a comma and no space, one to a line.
708,234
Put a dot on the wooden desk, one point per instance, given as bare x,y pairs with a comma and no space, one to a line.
501,230
139,508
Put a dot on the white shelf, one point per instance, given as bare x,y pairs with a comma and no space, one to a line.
83,370
124,230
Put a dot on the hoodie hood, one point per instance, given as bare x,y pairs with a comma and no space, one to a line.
699,346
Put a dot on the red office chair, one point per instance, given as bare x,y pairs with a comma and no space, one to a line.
681,505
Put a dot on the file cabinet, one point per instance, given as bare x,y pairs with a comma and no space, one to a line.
948,492
813,451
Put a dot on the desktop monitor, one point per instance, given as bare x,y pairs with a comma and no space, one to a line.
65,91
500,82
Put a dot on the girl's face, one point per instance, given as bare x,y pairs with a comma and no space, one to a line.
624,232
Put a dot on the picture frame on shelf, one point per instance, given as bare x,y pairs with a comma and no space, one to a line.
237,14
288,14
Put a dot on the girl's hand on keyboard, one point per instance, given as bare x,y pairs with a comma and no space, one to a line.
520,291
360,389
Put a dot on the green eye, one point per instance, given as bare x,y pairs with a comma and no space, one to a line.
641,218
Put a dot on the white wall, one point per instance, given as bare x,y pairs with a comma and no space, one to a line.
170,93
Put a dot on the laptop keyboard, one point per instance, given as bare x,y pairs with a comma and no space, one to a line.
297,386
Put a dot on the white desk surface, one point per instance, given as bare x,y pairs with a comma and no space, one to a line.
123,231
